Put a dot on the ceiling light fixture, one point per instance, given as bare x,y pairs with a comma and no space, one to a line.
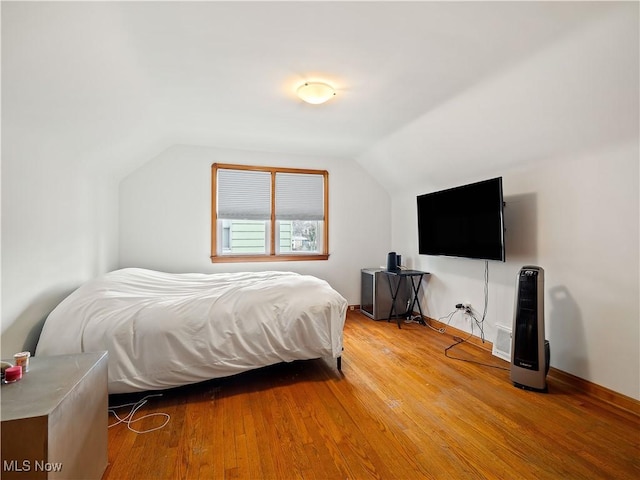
315,92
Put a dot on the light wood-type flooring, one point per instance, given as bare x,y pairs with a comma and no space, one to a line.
400,409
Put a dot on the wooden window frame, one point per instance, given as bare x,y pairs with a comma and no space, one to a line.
271,256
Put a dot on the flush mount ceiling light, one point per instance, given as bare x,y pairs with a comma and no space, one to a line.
315,92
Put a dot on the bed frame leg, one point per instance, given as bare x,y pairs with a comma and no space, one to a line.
339,363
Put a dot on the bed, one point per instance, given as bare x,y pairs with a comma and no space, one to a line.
165,330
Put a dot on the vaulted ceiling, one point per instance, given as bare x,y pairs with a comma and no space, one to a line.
114,83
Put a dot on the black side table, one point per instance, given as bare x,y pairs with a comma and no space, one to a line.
411,275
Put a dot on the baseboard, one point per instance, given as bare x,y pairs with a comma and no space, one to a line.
619,400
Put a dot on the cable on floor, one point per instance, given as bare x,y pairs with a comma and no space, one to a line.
135,406
462,340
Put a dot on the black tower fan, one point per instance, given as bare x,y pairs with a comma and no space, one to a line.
529,349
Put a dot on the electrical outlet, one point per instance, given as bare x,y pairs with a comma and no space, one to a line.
352,307
465,307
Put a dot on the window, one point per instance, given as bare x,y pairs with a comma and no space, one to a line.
268,214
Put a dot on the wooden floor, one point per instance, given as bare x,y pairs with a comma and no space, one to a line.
400,410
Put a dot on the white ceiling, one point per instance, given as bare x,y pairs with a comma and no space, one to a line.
111,83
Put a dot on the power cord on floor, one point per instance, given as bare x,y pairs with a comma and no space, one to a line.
135,406
462,340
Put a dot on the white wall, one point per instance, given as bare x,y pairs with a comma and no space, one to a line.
561,127
59,228
165,216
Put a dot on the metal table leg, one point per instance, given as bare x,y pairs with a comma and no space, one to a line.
416,301
394,295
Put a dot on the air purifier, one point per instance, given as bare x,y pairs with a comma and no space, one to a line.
529,349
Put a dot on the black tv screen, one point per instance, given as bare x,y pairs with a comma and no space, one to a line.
465,221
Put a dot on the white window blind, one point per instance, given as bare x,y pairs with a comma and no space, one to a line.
299,196
244,194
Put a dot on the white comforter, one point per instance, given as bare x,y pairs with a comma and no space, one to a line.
164,330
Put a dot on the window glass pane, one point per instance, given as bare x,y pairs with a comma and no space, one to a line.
245,237
284,237
226,236
299,236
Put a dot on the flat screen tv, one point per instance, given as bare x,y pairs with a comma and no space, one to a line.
465,221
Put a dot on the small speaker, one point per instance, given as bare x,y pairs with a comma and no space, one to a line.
529,349
392,261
